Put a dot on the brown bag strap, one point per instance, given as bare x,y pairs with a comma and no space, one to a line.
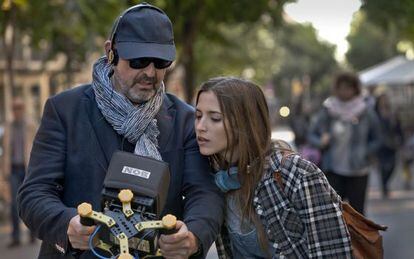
277,174
278,178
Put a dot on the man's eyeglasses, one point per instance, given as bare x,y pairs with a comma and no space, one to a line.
138,63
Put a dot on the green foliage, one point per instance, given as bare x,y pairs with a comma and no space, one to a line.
70,27
304,55
396,13
268,55
199,22
242,48
213,37
363,37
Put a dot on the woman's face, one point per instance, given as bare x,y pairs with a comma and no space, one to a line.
209,125
345,92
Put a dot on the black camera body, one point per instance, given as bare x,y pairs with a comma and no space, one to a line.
147,178
144,182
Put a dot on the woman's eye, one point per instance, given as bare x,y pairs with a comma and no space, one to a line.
215,119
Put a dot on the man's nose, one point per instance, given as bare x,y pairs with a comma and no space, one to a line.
150,70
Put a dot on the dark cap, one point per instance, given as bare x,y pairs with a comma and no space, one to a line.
144,31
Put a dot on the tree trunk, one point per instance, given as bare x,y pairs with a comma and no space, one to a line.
9,40
188,63
187,57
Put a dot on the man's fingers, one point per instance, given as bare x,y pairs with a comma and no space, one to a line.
80,246
181,234
79,242
173,238
86,230
183,244
79,234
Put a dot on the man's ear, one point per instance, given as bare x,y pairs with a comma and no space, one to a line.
107,47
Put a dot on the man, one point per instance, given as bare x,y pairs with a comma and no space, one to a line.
125,108
17,142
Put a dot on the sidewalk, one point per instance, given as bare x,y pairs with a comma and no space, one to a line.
25,251
397,212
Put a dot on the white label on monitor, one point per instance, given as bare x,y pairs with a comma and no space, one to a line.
136,172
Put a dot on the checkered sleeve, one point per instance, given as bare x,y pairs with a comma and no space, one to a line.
321,213
223,244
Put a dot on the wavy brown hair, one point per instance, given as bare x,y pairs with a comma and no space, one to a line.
247,127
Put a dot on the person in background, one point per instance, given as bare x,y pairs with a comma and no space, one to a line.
17,143
299,123
297,216
347,131
391,139
124,108
407,157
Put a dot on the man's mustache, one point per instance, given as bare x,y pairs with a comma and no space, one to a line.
145,79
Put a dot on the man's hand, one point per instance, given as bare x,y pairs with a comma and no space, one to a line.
179,245
79,234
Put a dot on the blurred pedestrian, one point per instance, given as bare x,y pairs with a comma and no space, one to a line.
299,123
299,120
17,143
391,139
407,157
297,216
346,129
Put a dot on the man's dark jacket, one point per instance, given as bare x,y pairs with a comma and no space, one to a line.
70,155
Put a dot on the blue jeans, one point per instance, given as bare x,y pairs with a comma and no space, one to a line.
246,246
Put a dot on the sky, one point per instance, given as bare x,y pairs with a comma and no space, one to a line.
331,18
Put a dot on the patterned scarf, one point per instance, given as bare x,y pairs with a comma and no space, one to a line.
136,123
347,111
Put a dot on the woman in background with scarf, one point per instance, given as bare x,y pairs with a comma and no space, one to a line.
346,129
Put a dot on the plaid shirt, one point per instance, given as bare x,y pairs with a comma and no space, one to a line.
304,220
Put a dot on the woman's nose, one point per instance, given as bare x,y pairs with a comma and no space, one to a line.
200,125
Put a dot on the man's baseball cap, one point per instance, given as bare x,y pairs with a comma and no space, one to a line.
144,31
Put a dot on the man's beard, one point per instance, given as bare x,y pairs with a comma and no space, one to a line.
137,96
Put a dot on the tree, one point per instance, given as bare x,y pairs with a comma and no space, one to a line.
69,27
193,19
9,30
363,36
305,58
397,13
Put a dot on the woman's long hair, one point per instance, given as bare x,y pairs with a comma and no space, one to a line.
247,127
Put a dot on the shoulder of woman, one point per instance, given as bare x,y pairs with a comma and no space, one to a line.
292,166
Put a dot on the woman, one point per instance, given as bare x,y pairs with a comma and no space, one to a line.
347,131
297,217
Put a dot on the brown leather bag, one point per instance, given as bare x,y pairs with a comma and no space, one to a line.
366,240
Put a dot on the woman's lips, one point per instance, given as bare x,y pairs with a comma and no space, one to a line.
202,140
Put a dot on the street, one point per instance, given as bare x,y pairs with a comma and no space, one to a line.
397,212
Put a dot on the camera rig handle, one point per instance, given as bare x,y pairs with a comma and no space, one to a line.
123,227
